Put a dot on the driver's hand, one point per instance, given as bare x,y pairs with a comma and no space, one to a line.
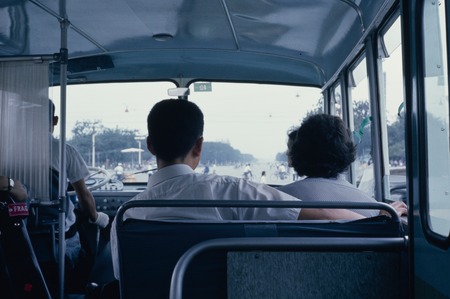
18,192
102,220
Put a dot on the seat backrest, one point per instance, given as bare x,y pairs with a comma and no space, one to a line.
20,273
42,223
149,250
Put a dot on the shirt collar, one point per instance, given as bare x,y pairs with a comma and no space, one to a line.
168,172
339,178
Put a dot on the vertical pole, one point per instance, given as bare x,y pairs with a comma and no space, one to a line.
93,150
378,135
62,144
139,140
140,159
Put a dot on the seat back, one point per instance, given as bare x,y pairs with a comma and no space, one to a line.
20,273
42,224
149,250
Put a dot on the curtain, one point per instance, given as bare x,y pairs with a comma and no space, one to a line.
24,125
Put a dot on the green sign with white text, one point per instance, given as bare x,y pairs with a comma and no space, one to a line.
205,86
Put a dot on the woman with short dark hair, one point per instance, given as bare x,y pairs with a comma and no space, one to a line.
321,147
321,150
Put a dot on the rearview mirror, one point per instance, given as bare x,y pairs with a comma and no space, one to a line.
178,92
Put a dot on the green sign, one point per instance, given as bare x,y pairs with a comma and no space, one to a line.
205,86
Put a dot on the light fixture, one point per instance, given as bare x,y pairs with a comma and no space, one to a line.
162,37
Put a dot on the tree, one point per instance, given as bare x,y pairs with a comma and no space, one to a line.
82,137
87,127
108,143
396,140
362,129
317,109
281,157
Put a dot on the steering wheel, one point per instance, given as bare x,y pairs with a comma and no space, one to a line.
97,178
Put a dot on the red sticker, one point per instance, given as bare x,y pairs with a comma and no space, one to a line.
17,209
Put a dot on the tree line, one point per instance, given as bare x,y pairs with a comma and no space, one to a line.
109,143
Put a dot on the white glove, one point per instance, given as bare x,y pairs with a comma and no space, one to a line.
102,220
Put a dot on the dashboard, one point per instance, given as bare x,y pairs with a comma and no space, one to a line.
109,201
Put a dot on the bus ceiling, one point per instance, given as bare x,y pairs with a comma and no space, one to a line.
214,40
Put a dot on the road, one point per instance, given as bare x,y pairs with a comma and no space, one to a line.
235,170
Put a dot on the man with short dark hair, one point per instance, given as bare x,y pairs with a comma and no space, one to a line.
175,137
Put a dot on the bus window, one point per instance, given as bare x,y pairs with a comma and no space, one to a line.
392,102
248,124
244,124
359,94
437,117
337,101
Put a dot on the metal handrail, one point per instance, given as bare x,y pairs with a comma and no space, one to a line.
252,204
279,243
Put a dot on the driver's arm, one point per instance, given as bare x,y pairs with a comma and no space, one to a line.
86,203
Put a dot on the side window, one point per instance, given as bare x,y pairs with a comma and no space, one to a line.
337,101
359,93
391,95
437,116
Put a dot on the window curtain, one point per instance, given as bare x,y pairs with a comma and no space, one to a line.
24,125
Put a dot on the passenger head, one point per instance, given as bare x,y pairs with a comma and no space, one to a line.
291,138
321,147
53,118
174,126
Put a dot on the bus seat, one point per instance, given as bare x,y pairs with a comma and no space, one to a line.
306,267
44,239
43,224
20,273
149,250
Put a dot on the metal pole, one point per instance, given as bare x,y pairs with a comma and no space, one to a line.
62,144
139,152
38,59
93,150
139,139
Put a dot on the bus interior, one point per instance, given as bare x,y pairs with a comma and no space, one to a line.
257,69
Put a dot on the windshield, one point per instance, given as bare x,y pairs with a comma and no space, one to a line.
246,126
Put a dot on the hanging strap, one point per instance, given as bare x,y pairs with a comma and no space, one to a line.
360,132
400,108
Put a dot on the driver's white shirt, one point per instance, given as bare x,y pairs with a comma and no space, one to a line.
76,169
181,182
